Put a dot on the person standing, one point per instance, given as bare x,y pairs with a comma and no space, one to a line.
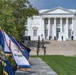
42,43
44,50
49,37
62,38
38,45
72,37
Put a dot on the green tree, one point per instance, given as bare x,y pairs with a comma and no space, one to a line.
13,14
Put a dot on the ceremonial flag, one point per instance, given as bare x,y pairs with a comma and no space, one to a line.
1,67
0,59
7,70
28,49
4,45
20,60
25,51
1,40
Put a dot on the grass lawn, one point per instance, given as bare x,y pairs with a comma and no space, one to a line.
62,65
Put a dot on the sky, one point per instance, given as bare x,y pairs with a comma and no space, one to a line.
48,4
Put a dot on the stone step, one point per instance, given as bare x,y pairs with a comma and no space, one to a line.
56,48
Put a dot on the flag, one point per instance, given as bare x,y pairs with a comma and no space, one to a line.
20,60
4,45
25,51
28,49
0,60
7,69
1,67
1,40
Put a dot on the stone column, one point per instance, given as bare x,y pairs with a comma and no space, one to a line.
43,28
48,27
73,28
61,25
73,24
66,27
54,33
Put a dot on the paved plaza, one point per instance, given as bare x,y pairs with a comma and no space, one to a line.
38,68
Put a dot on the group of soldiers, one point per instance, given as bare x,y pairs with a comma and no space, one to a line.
41,45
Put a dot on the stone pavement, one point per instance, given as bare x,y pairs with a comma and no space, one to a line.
38,68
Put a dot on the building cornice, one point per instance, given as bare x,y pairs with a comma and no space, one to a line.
58,7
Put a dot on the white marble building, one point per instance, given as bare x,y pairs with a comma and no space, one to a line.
56,22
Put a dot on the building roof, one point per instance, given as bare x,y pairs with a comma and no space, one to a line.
57,9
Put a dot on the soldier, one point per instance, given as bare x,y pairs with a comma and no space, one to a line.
38,45
72,38
62,38
42,43
49,37
44,50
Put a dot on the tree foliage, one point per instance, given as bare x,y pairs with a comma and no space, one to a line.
13,14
